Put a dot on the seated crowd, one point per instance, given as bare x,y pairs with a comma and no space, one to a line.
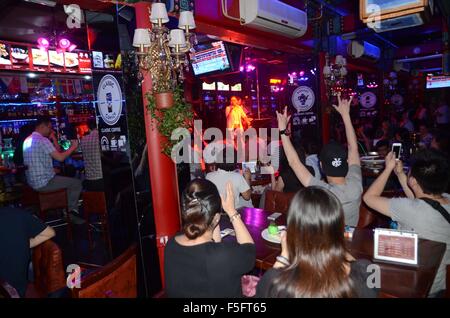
314,259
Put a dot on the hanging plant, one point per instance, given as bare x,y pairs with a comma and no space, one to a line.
180,115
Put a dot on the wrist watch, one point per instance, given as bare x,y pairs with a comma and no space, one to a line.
285,132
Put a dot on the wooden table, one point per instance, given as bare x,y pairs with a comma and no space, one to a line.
396,280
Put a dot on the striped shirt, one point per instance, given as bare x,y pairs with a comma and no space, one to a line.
37,157
90,145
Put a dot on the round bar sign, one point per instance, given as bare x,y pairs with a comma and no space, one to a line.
109,99
303,98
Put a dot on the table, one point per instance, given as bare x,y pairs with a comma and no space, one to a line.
396,280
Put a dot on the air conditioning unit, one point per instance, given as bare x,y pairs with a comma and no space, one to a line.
364,50
273,16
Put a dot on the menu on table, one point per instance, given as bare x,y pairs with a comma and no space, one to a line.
396,246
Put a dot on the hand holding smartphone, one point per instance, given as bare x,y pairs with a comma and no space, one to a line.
397,149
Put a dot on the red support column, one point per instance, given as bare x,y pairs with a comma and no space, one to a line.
324,101
162,169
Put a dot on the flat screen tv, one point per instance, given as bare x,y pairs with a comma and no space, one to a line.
438,81
210,58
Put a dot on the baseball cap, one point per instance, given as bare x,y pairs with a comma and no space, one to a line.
334,160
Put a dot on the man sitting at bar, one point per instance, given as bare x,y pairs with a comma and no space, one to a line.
342,169
426,210
38,153
90,146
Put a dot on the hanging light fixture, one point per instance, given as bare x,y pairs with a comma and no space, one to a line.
62,45
163,52
335,74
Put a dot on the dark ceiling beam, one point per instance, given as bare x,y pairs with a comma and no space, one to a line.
340,11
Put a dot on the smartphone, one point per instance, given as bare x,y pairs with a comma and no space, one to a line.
274,216
397,149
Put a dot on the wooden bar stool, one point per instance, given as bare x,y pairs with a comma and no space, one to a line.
94,203
56,201
30,198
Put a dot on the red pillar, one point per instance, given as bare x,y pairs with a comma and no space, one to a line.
324,101
162,169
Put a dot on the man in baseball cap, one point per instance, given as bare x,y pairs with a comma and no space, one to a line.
333,159
342,168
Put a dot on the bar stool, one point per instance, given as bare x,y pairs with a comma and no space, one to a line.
56,201
30,198
94,203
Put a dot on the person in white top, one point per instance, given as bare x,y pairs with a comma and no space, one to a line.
226,172
236,116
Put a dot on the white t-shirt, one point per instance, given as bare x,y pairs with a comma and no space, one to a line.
418,216
220,179
349,194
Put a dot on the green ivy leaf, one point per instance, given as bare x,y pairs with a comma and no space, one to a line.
180,115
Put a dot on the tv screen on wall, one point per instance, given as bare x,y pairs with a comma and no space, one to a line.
438,81
210,58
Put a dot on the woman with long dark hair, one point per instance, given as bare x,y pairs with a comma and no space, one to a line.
197,262
315,261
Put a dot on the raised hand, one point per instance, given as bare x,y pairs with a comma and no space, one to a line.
283,119
228,201
343,107
390,161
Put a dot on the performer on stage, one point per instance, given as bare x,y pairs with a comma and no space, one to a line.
236,116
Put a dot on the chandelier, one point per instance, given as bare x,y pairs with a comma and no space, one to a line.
334,75
163,53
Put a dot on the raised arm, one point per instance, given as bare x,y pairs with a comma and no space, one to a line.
344,110
373,196
54,141
303,175
61,156
242,234
403,179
